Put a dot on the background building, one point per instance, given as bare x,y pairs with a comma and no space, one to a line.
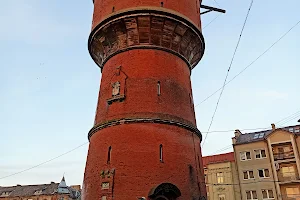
268,163
221,178
52,191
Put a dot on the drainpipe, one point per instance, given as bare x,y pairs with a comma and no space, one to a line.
238,172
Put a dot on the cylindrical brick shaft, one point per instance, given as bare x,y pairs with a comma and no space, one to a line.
145,142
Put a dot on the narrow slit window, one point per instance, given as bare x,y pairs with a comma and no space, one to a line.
161,153
158,88
109,155
113,9
161,4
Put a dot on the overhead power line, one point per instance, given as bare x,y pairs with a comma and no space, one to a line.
229,68
289,118
256,59
279,123
35,166
294,116
223,149
212,21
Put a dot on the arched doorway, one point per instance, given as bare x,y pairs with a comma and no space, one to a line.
164,191
161,198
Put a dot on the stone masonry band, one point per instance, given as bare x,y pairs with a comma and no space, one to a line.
139,29
143,120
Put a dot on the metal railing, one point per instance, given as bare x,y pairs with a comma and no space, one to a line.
284,155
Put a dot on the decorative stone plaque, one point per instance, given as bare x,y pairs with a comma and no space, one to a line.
118,84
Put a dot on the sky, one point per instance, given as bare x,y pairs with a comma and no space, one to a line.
49,84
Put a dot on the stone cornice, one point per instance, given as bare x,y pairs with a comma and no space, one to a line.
146,29
143,120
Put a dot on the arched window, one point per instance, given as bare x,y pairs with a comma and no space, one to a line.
161,153
158,88
109,155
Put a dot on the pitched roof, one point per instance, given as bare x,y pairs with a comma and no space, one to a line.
43,189
261,135
29,190
219,158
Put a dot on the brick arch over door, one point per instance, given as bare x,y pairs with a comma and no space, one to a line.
164,191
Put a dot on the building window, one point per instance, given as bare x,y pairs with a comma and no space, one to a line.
288,171
161,153
220,177
105,185
292,192
109,155
158,88
258,135
260,153
248,175
221,197
103,198
251,195
267,194
263,173
5,194
207,190
245,155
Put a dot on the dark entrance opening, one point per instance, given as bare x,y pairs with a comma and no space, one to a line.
164,191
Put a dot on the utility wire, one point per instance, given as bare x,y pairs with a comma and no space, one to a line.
268,49
280,123
211,21
294,116
289,118
222,149
35,166
232,59
216,3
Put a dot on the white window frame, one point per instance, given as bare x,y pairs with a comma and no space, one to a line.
222,196
263,173
268,196
251,193
245,154
248,173
254,151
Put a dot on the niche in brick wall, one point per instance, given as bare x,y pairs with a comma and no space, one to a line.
117,86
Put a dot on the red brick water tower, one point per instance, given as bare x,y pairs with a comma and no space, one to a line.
145,143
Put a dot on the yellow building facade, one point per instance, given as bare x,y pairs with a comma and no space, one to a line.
268,163
221,177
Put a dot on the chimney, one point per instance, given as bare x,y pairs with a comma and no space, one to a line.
233,140
273,127
237,133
